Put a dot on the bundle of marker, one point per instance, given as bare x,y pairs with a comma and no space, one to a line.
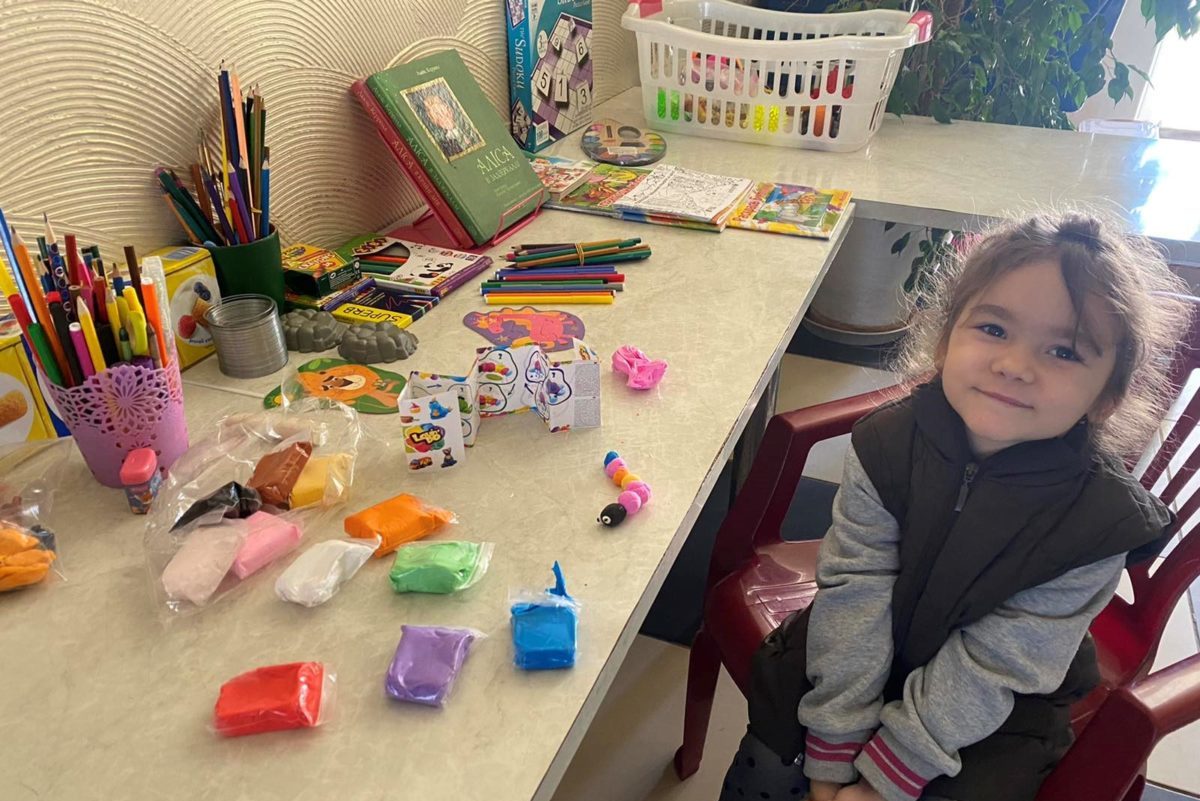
563,272
232,202
77,316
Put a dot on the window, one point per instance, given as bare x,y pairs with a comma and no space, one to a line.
1173,100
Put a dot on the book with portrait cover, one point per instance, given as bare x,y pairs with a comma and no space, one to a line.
459,140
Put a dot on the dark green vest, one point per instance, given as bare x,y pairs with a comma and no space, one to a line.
972,534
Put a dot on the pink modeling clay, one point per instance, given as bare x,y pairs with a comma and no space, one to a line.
269,539
642,371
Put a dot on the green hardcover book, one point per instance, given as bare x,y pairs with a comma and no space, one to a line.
461,142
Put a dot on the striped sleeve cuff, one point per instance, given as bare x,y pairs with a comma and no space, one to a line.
888,768
830,757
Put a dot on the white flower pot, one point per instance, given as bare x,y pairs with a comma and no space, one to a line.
862,299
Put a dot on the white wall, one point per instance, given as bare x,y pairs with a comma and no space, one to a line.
94,94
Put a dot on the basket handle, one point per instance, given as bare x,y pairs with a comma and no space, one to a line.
647,8
924,22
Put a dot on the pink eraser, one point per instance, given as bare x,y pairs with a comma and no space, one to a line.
269,539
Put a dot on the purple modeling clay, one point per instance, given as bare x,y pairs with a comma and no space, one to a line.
426,663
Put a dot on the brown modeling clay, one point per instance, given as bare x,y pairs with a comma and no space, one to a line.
277,472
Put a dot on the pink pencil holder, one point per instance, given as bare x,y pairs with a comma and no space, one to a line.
125,407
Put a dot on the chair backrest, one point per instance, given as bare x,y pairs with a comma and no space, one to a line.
1131,631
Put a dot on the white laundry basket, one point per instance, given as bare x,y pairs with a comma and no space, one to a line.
730,71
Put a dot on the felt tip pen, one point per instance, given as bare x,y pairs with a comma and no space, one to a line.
126,350
81,350
63,327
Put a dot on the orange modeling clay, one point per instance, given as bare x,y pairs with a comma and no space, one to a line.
396,521
22,559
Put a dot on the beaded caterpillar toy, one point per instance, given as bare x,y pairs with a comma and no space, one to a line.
635,493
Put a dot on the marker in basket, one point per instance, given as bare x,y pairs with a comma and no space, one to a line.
138,341
131,261
36,336
81,350
114,318
126,349
63,327
154,322
152,337
99,363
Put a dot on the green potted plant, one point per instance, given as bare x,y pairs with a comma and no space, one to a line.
1018,62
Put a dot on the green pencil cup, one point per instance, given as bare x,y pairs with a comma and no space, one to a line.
255,268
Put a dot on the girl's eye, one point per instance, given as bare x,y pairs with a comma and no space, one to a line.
992,330
1065,353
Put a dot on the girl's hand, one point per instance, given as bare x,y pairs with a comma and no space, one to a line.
858,792
823,791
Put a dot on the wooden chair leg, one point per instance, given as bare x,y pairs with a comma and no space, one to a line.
704,665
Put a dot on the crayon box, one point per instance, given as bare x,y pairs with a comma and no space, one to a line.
23,412
550,69
191,289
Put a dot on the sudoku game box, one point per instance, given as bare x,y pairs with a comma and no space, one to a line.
550,69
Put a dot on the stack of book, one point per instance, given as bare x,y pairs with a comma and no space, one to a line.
411,266
375,304
563,272
668,195
454,147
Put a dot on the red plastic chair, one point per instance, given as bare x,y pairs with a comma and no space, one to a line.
756,580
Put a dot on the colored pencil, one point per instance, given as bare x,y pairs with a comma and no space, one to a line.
201,192
265,202
42,356
40,310
131,261
189,231
599,299
214,196
572,250
10,255
235,212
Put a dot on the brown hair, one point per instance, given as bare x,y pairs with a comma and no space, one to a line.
1127,273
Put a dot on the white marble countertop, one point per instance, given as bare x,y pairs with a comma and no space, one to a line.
918,171
102,701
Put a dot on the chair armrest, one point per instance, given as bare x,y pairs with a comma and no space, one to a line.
763,501
1109,754
1172,695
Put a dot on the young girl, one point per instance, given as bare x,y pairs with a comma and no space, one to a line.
981,525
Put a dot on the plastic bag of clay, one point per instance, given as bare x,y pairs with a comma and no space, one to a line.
29,473
294,696
427,662
318,573
241,497
544,626
396,521
439,567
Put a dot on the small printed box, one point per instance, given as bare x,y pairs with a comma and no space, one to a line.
191,289
439,418
550,69
23,412
564,392
316,272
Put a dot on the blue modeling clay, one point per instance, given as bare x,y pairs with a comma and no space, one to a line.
543,628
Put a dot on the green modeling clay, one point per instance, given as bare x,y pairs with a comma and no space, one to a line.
439,567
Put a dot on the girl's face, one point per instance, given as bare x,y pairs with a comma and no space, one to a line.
1016,369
